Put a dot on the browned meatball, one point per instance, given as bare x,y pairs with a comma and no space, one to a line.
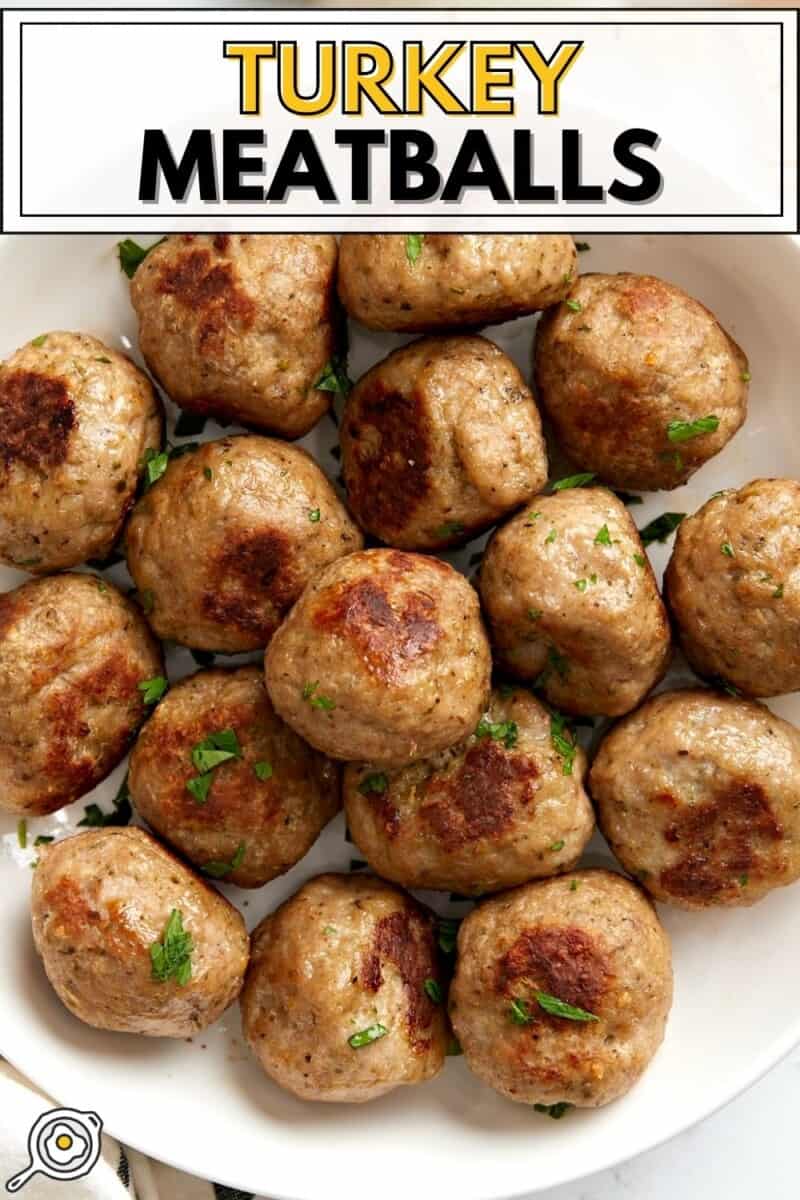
562,989
76,419
112,911
258,811
733,587
337,1004
572,602
383,659
421,283
224,543
493,811
73,653
699,796
240,325
439,441
641,382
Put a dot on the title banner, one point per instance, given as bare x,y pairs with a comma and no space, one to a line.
593,121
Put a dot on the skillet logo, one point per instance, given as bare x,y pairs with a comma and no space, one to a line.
356,79
63,1144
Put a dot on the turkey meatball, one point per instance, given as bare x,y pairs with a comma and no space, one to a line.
240,325
562,989
419,283
439,441
342,998
131,939
76,420
493,811
224,543
260,808
74,653
641,382
698,794
572,602
733,587
383,659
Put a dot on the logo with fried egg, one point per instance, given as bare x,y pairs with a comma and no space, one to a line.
63,1144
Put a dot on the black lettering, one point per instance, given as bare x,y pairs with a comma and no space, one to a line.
360,141
524,187
198,158
412,152
235,164
300,149
650,180
571,187
475,146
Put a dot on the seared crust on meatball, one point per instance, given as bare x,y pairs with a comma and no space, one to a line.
100,901
733,587
263,810
226,540
240,325
439,441
345,955
698,794
73,651
457,279
75,421
622,359
572,602
491,812
589,939
382,659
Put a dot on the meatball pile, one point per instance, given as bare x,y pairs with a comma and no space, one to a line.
440,712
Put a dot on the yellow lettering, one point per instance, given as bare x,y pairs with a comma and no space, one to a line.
549,71
367,67
486,76
422,78
250,55
324,96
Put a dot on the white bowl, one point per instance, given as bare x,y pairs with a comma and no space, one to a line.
203,1105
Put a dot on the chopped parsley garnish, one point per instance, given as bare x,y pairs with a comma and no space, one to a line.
628,497
433,990
262,770
146,600
39,341
314,515
414,242
574,305
561,737
639,559
555,662
559,845
602,537
551,537
328,930
684,431
208,473
534,614
132,255
153,689
218,869
556,1111
364,1037
581,584
199,787
171,958
377,783
727,550
309,693
574,885
744,880
499,731
22,833
659,529
573,481
519,1013
449,529
216,749
334,377
532,516
745,376
778,593
582,246
44,839
189,424
447,933
95,818
560,1008
155,463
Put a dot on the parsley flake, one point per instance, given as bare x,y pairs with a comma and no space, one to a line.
574,305
602,537
518,1011
745,376
154,463
39,341
660,528
499,731
314,515
447,933
171,958
153,689
22,833
376,783
216,749
559,1008
309,693
551,537
727,550
433,990
685,431
556,1111
95,818
581,247
414,243
639,559
334,378
218,869
365,1037
559,845
262,770
573,481
449,529
561,737
132,255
